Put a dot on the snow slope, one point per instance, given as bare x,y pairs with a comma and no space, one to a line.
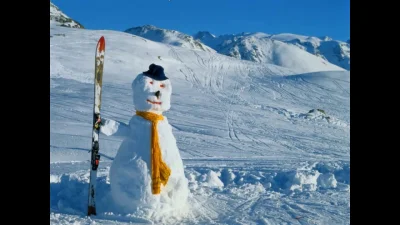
171,37
336,52
259,46
57,16
261,144
256,47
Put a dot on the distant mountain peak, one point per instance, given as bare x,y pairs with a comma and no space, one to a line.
58,16
326,38
167,36
256,46
203,34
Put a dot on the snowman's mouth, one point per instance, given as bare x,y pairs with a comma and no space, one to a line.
157,103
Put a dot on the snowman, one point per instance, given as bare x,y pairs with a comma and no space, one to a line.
147,175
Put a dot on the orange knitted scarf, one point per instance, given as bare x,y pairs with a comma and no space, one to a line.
160,172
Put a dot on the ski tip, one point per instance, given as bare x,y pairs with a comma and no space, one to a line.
101,44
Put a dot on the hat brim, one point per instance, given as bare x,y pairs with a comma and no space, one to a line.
160,77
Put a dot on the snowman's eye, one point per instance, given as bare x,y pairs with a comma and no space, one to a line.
162,85
151,82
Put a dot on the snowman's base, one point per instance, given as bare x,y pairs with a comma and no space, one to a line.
157,212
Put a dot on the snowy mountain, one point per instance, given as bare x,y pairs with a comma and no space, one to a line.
60,18
257,46
261,143
260,47
166,36
336,52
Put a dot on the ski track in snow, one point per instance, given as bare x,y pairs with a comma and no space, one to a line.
248,123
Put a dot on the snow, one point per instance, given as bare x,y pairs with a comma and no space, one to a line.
287,37
256,47
171,37
60,18
336,52
56,12
260,47
211,179
255,146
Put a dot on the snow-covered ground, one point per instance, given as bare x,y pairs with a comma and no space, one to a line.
261,144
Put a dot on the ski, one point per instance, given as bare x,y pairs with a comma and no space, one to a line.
95,156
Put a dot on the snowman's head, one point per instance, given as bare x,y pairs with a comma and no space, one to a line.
152,90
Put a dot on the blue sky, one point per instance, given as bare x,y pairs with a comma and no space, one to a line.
305,17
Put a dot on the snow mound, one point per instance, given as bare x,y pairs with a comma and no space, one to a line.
319,114
248,190
227,176
68,194
296,181
341,172
317,177
327,181
320,177
212,179
207,178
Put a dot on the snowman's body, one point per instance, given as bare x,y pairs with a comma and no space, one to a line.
130,172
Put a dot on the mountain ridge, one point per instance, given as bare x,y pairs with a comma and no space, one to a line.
57,16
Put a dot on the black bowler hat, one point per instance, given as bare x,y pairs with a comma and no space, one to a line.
156,72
